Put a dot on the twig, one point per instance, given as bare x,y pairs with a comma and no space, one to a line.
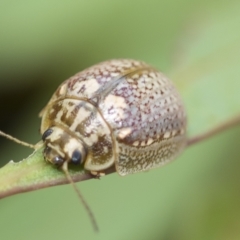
212,132
34,173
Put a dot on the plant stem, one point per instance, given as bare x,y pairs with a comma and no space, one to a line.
34,173
212,132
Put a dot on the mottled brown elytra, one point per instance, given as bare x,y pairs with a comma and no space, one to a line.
119,112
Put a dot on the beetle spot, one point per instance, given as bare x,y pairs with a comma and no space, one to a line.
47,133
58,161
76,157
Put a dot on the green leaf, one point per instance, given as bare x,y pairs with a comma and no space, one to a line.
29,174
35,173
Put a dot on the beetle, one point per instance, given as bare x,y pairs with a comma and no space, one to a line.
120,112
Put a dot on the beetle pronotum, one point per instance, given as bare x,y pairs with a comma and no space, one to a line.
119,112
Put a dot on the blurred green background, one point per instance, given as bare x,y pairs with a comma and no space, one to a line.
44,42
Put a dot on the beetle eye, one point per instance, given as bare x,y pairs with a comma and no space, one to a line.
46,134
58,161
76,157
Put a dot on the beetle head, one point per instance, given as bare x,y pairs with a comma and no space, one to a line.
62,147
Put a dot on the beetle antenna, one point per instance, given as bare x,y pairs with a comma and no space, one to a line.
17,140
86,206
